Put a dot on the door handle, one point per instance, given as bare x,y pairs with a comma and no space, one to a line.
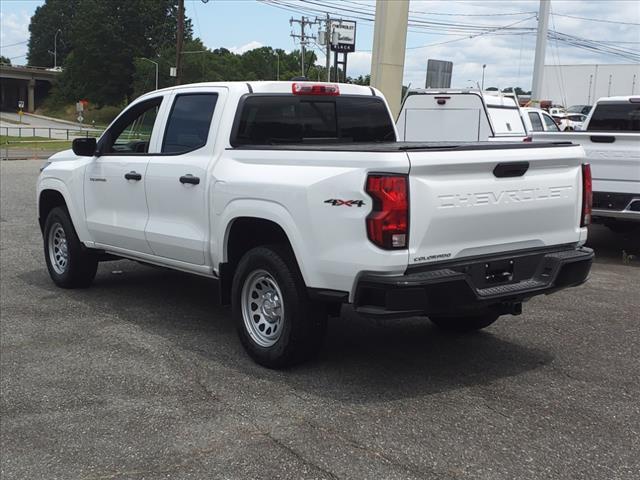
133,176
190,179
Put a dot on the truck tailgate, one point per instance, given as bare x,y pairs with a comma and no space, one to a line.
614,158
467,203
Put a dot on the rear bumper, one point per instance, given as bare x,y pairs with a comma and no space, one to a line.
465,286
619,206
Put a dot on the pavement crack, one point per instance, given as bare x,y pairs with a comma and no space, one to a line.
299,456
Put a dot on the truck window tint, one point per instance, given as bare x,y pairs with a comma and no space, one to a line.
613,117
536,123
189,122
280,119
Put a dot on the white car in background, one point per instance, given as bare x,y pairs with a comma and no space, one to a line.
538,120
572,121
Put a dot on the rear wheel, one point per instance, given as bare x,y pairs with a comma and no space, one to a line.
277,323
70,264
466,323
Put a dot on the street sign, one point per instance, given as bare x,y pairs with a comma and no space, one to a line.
173,72
343,38
80,118
79,107
20,104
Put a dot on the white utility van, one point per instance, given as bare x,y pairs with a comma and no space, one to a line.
429,115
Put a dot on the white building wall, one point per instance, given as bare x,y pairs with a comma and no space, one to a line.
583,84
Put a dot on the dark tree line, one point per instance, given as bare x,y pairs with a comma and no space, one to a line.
101,45
99,42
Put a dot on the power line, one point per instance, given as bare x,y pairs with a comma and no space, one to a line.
596,19
465,31
14,44
473,36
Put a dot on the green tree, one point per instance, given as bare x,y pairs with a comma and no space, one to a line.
107,38
5,60
54,15
361,80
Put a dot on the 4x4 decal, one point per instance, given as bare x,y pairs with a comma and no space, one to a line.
346,203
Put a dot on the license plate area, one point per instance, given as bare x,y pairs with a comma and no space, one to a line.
498,272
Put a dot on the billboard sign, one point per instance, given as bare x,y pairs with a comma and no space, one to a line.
343,37
438,74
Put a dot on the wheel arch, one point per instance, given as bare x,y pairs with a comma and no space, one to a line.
53,193
244,232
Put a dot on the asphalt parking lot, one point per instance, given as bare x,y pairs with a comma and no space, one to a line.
142,376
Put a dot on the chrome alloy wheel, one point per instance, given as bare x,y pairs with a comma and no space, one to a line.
58,249
262,308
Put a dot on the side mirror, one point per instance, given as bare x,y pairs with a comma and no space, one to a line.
84,147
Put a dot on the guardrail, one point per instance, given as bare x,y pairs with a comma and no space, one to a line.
52,133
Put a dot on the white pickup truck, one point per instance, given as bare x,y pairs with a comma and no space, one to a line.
297,198
611,139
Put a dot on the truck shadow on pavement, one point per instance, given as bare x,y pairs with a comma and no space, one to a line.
615,248
362,361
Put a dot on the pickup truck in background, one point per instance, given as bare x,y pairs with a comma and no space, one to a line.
429,115
297,198
611,140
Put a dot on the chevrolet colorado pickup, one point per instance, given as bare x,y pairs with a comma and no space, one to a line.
611,140
297,198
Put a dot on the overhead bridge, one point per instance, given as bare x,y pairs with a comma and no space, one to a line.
23,83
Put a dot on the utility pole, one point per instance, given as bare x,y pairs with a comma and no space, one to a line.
328,38
541,46
389,45
304,38
179,39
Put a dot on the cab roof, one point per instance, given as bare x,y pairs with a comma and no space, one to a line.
274,87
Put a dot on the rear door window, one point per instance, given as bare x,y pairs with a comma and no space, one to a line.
287,119
616,117
536,123
189,122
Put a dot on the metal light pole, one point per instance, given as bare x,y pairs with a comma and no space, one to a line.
156,64
278,65
541,46
55,49
483,67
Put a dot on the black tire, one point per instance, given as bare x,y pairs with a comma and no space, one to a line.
81,264
464,324
303,323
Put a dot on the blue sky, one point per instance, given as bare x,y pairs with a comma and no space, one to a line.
243,24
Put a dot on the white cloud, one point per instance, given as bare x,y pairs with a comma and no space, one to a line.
14,33
509,58
246,47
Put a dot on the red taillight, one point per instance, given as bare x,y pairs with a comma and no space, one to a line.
587,195
527,139
315,89
388,222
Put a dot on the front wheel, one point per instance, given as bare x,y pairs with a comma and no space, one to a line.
277,323
70,264
464,324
